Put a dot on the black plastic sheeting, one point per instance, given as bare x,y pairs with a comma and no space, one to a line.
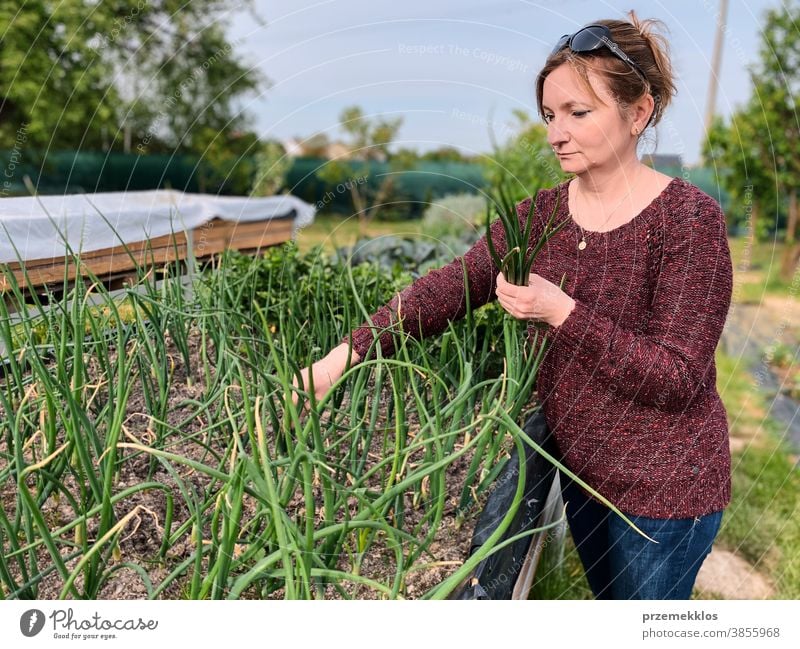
496,575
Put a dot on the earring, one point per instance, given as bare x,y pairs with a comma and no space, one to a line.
636,130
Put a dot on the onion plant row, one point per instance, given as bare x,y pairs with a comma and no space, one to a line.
153,431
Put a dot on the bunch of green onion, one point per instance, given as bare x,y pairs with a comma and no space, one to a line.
521,364
519,257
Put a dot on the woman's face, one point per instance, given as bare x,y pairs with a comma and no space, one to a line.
585,133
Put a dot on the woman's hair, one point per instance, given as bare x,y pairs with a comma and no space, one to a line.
640,42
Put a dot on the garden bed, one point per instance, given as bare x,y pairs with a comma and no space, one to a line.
174,470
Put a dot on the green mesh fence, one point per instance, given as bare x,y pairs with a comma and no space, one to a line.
70,172
414,189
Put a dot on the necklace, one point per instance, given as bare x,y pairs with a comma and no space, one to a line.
582,244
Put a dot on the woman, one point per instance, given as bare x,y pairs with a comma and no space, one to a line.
628,384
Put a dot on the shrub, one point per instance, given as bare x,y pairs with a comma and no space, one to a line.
455,215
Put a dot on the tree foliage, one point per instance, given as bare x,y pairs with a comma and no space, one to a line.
368,140
742,166
272,166
525,162
138,75
756,150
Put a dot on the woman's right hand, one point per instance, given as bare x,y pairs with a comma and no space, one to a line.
325,372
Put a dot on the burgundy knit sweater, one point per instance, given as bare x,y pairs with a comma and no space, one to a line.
628,385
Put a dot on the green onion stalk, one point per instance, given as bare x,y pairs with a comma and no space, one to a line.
521,363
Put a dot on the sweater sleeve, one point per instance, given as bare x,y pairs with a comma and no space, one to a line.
665,365
427,305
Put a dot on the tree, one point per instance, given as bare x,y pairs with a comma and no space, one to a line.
743,166
151,76
446,154
52,86
525,160
368,142
760,146
193,82
369,139
272,165
777,84
226,163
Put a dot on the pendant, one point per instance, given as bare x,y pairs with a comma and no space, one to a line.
582,245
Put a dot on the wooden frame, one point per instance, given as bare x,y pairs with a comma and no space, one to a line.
207,240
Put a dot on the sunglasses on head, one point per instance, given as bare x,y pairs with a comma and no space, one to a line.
591,38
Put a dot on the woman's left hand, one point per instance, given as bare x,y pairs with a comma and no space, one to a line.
540,300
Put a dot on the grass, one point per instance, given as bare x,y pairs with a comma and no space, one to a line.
559,574
762,262
762,522
331,231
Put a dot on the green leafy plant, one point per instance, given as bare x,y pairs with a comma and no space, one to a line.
454,215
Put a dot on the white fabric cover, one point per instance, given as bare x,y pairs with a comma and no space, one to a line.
32,224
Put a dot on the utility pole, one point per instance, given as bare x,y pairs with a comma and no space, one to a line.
716,65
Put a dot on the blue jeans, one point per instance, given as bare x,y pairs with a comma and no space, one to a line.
621,564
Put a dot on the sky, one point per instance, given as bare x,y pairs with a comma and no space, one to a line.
452,69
